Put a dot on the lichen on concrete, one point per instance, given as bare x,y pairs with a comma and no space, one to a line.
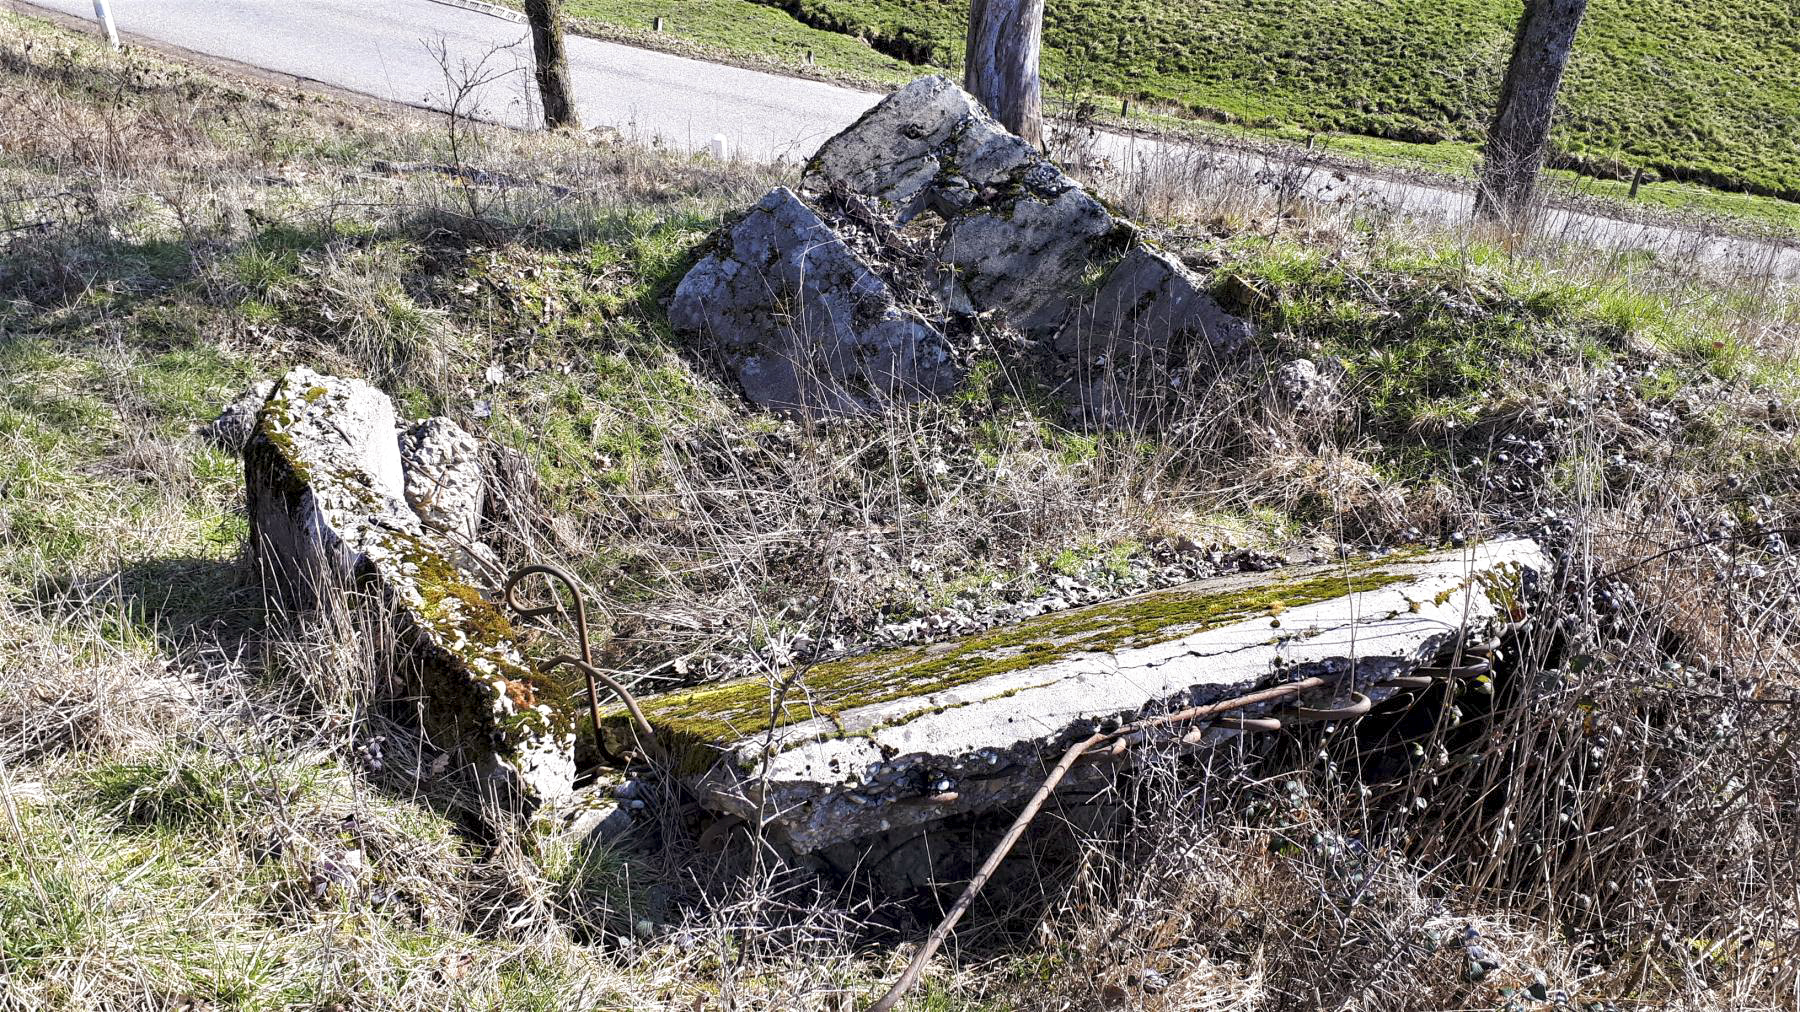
329,514
708,721
855,745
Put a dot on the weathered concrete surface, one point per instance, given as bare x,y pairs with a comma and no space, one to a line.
1151,317
1025,245
863,746
445,487
1020,234
1148,300
1026,258
328,512
803,322
927,147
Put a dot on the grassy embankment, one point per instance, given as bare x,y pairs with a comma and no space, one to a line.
1704,96
196,814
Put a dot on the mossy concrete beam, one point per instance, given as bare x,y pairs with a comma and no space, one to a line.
852,748
330,523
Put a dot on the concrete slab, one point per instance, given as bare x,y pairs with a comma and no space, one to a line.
328,512
870,744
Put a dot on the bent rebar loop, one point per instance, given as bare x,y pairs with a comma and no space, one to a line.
584,663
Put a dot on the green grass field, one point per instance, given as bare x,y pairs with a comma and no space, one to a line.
1703,93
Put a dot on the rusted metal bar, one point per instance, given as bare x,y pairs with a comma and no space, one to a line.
1239,724
1359,704
585,662
1473,669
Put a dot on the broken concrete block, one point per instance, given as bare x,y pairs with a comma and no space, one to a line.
445,487
442,464
807,311
803,322
928,146
1118,352
1020,233
1148,301
896,738
1026,259
328,513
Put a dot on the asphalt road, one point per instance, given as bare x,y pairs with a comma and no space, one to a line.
384,48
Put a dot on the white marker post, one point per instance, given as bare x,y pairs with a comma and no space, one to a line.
103,13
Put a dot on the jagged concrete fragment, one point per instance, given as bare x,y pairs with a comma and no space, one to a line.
1026,259
1020,233
928,146
328,512
232,429
1147,316
1024,242
803,322
805,314
897,738
1148,300
444,486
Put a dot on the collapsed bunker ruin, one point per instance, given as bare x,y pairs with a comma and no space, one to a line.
841,298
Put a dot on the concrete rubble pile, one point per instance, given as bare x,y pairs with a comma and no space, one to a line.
915,233
918,222
342,497
874,746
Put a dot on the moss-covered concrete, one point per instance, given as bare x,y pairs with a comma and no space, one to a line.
324,519
697,724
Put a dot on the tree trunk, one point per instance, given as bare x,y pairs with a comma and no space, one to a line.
552,64
1520,134
1000,64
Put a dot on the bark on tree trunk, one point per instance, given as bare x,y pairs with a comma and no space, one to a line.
1520,134
552,64
1000,64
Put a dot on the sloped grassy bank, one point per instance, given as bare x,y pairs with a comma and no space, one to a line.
1693,91
199,810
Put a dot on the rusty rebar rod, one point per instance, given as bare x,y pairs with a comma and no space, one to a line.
585,662
1121,735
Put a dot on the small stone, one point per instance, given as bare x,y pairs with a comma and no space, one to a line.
1302,388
